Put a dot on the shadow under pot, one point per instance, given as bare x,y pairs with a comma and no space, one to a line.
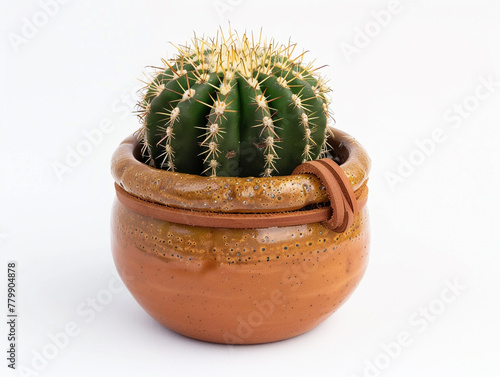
242,260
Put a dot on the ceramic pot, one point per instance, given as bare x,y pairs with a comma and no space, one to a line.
236,285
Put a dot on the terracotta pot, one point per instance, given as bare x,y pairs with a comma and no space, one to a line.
234,285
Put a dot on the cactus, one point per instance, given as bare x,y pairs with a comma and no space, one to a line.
234,106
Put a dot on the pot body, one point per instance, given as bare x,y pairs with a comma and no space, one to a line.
238,286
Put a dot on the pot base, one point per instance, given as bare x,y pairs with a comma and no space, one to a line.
238,286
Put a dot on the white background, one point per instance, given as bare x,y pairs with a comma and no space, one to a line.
435,226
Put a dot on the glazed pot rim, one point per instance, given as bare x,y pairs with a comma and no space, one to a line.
234,194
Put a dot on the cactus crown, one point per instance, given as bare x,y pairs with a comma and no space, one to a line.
234,106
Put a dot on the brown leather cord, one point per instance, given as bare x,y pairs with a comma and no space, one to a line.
343,202
338,216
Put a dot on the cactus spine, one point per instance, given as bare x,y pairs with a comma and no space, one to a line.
233,106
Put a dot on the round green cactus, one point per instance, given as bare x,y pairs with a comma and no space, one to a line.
233,106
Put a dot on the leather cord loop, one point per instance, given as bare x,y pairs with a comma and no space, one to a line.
343,202
338,217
